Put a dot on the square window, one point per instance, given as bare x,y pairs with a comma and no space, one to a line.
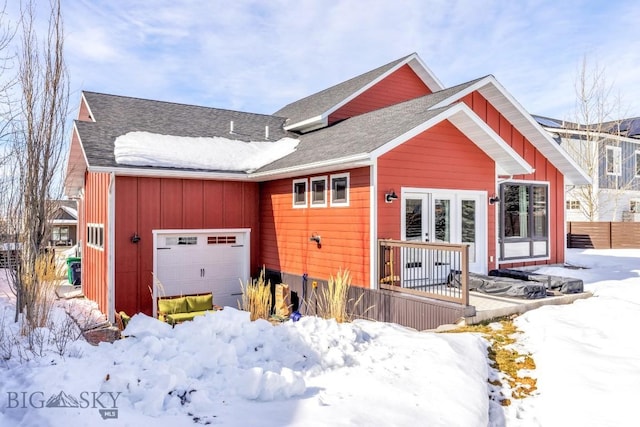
299,193
319,191
340,190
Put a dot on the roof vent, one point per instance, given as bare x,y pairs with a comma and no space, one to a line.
231,126
266,132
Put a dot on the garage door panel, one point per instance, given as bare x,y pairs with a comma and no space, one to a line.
191,263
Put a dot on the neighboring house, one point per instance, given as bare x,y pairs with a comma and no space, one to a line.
391,153
610,153
63,221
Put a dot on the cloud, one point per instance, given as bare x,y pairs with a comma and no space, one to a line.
257,56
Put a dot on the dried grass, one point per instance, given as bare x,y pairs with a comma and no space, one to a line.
256,298
333,300
39,294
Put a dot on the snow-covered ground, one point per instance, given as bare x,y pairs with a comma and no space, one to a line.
222,369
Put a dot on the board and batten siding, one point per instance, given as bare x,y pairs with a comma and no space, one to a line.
285,232
145,204
401,85
544,171
94,210
439,158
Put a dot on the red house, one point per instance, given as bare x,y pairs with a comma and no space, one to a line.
389,154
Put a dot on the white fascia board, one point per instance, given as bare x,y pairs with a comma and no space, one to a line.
425,73
164,173
76,166
355,161
84,100
308,125
509,107
463,118
414,62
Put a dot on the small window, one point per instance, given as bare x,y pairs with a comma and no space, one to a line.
319,191
300,193
95,236
613,160
340,189
634,205
573,205
637,156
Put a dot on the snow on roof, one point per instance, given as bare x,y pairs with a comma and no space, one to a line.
214,153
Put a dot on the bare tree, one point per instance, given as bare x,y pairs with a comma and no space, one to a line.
39,115
591,130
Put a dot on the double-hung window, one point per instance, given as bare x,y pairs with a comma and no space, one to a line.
524,220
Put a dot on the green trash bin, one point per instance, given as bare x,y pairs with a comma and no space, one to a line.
73,270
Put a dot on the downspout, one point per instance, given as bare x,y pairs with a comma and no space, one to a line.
111,265
373,225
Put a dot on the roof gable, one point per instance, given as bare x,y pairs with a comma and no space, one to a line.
312,112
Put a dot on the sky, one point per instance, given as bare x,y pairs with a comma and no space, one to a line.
223,369
258,56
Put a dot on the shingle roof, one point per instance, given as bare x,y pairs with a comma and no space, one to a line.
366,132
118,115
320,102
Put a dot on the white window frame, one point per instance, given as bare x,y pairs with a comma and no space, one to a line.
318,204
637,164
340,203
617,160
634,202
293,193
95,236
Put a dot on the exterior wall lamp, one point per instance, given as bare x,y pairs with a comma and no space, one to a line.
494,199
135,238
389,197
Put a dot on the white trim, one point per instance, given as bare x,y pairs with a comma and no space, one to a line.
293,193
157,232
617,160
508,161
169,173
340,204
111,248
308,125
549,200
349,162
511,109
324,203
96,226
84,99
636,164
413,60
373,225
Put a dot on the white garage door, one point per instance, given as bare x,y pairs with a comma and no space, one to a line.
197,261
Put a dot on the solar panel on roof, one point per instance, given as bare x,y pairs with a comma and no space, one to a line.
548,122
634,128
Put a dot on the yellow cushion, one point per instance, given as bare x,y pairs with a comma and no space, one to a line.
172,305
200,302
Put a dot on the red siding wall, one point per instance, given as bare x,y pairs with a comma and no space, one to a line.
544,171
441,157
285,231
399,86
145,204
94,261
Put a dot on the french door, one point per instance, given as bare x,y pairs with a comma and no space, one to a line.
445,216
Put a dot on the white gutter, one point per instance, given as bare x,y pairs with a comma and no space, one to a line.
357,160
373,225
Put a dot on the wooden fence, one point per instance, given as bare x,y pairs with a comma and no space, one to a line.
603,235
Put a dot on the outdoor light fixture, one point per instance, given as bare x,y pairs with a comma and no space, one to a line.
135,238
390,197
316,238
494,199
